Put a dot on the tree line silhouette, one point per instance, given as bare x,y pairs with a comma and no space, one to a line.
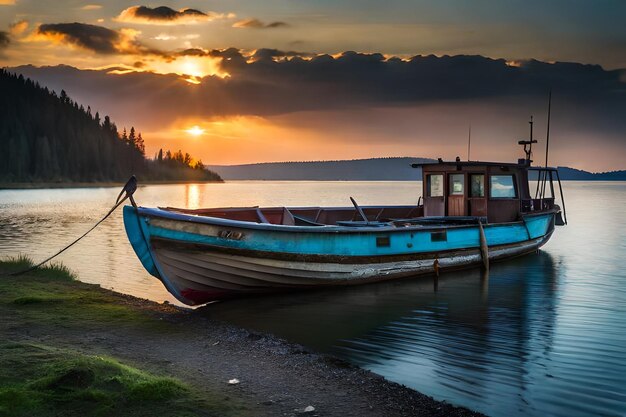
51,138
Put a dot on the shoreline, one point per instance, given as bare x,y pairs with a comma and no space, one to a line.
276,377
105,184
68,185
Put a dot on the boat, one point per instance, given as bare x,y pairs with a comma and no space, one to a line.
472,213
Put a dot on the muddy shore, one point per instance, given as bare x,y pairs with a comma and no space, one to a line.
275,377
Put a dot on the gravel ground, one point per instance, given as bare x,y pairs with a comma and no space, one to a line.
275,377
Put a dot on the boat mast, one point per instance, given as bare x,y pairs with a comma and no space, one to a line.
548,128
469,142
528,144
543,187
530,148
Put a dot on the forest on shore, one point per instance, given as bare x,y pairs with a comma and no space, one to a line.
51,138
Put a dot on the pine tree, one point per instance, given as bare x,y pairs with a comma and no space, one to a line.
141,146
131,137
50,137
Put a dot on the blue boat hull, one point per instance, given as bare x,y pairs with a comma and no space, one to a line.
200,259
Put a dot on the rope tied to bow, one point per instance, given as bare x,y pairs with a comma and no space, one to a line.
126,194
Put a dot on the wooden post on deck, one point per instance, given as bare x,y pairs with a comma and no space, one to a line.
484,249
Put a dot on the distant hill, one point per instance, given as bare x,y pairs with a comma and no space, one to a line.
374,169
573,174
47,137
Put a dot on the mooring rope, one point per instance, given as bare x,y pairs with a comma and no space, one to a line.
126,193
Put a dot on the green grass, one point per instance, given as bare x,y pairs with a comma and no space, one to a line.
42,380
52,270
50,294
38,380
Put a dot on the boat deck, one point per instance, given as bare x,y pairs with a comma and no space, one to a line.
309,216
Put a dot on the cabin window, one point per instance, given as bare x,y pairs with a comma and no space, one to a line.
434,185
502,186
477,185
457,184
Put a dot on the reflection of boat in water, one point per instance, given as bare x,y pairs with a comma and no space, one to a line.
472,213
468,302
485,351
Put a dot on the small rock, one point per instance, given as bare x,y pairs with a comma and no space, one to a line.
309,409
233,381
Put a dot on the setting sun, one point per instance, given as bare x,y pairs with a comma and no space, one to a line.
195,130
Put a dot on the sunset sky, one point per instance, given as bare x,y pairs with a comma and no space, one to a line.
242,81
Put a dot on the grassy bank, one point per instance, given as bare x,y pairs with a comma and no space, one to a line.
51,295
40,379
69,348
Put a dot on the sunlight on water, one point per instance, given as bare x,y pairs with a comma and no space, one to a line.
544,334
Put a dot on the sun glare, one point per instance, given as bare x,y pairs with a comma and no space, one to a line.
195,130
191,68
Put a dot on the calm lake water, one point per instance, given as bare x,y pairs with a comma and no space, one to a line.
542,335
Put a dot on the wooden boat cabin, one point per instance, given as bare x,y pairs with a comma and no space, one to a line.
499,192
452,192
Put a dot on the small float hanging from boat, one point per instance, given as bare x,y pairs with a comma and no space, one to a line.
472,213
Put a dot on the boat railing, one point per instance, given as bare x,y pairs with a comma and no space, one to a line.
536,204
546,176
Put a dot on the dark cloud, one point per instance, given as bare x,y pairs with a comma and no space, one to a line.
257,24
270,54
271,81
193,52
163,14
276,25
588,100
5,40
95,38
358,78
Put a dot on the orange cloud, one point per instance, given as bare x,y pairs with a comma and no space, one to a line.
91,7
166,16
168,37
18,27
7,2
192,68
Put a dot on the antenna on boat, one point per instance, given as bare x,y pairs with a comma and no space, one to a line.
469,142
545,174
528,144
548,128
